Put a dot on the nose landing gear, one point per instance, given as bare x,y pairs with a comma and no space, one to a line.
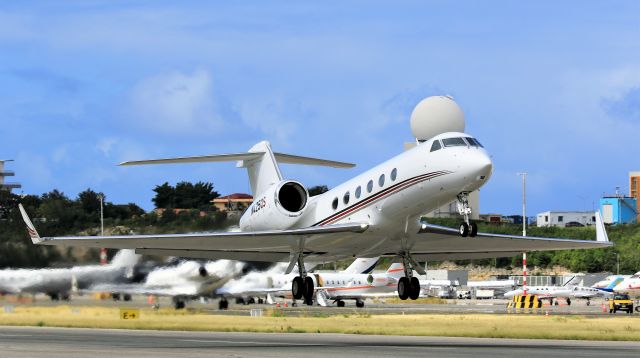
467,228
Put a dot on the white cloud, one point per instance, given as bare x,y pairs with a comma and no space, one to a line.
275,117
105,145
176,103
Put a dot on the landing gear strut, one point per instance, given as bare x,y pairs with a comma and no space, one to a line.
467,228
409,286
302,285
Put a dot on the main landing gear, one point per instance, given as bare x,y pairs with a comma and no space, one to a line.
302,285
467,228
408,286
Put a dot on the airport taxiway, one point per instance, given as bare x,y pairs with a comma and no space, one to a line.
48,342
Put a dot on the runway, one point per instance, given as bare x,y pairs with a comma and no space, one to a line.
97,343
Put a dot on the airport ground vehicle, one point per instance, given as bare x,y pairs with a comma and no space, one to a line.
621,302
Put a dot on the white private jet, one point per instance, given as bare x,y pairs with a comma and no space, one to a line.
186,281
567,291
58,283
377,213
629,285
273,283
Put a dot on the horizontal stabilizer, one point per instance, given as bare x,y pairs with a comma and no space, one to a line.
198,159
280,158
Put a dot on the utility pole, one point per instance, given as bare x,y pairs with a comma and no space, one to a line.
617,263
524,229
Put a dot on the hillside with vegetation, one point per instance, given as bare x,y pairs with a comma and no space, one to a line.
55,214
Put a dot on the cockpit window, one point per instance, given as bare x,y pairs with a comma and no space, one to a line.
454,142
474,142
436,145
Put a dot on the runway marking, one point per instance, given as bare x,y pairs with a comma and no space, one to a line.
250,342
15,335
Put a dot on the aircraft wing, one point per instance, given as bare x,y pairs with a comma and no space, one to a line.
271,245
435,242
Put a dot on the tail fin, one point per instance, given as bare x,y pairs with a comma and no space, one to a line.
601,232
263,171
362,265
35,238
614,283
125,258
396,270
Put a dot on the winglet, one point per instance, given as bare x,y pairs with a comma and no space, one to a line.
601,232
35,238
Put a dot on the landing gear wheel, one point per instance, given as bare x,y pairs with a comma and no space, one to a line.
464,230
340,303
473,230
223,304
359,303
568,302
297,287
308,289
404,288
588,302
415,288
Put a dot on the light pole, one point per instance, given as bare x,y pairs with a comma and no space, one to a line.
524,229
103,251
617,263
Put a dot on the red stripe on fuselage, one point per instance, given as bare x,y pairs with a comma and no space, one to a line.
380,195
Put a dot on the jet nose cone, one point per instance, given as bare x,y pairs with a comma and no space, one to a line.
483,166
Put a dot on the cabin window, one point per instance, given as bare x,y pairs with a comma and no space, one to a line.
436,145
369,186
394,174
345,198
381,180
335,203
454,142
358,192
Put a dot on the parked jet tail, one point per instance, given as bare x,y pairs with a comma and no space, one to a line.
35,237
261,163
362,265
396,270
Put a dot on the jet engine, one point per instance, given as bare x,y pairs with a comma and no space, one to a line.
280,207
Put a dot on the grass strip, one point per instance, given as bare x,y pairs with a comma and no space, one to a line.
619,328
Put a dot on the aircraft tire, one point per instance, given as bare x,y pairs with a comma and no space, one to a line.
415,288
340,303
297,287
404,288
308,289
223,304
179,305
588,303
359,303
473,230
568,302
464,230
126,297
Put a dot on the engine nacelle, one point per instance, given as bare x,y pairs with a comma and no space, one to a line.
280,207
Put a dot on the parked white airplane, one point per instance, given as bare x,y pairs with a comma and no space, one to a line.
377,213
186,281
630,286
610,282
60,282
567,291
338,287
273,283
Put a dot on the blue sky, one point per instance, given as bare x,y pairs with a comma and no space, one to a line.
552,88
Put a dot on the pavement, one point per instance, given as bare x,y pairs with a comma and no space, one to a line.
97,343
